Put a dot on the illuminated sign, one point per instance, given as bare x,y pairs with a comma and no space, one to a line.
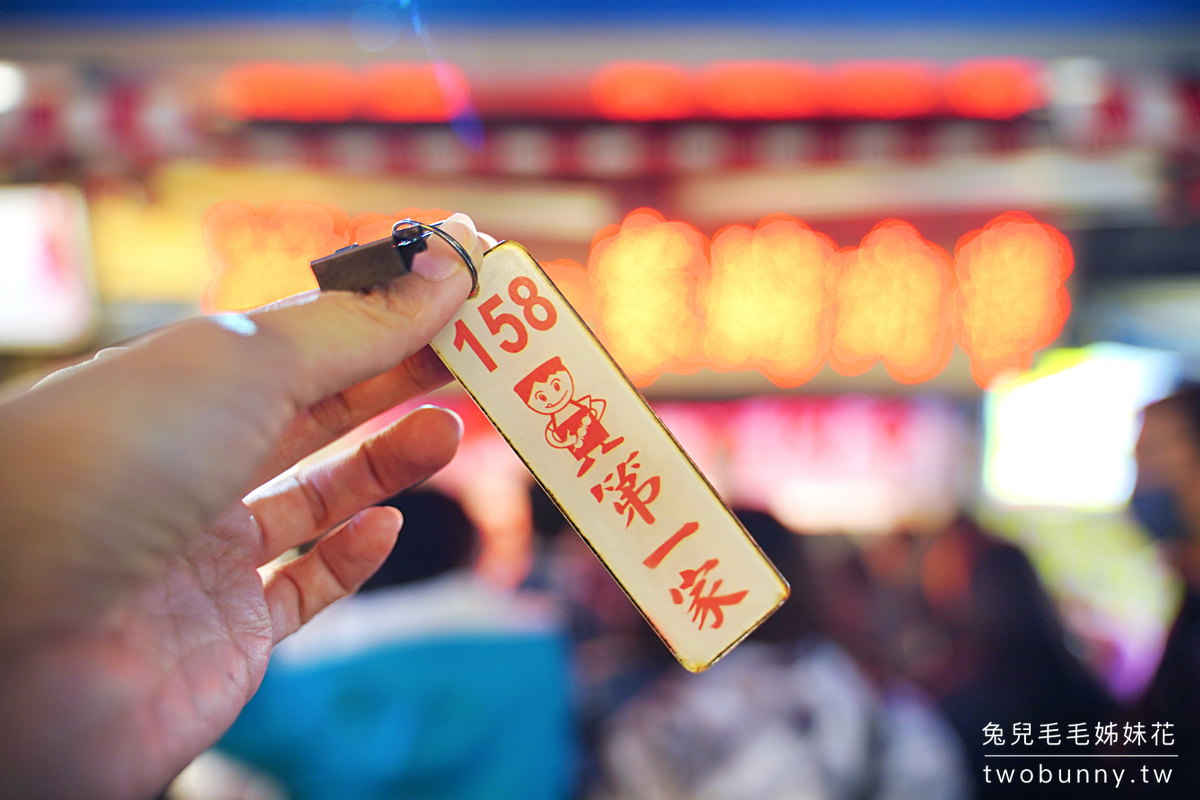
767,299
991,88
643,282
46,296
642,91
386,92
1062,434
779,297
1012,297
893,301
988,88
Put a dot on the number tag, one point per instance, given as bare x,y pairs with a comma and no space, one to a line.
607,461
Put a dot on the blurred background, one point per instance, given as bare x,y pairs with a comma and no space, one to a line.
792,225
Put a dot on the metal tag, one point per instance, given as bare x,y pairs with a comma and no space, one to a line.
590,439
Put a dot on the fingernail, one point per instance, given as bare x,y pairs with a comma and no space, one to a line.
437,266
457,419
464,220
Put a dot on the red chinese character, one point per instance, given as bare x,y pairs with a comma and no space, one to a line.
705,604
633,498
654,559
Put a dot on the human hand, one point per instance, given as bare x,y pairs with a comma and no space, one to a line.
137,508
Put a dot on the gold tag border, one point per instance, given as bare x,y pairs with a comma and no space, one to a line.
688,665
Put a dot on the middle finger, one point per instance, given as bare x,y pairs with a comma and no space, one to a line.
339,413
301,507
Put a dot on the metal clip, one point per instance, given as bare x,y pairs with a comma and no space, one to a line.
361,267
408,232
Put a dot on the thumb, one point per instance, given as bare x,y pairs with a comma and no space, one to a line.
342,338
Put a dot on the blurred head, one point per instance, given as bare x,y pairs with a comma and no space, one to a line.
1166,499
437,537
1008,604
1017,635
946,567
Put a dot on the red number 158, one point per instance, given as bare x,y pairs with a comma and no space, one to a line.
538,311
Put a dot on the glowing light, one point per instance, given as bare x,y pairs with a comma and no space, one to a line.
571,278
761,89
894,301
778,298
887,90
1011,298
1063,434
295,92
848,463
414,92
394,92
994,88
642,91
766,299
260,256
46,298
643,284
12,86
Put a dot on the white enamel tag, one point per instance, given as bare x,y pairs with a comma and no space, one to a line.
614,470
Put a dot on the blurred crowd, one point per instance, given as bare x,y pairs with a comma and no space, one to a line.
897,668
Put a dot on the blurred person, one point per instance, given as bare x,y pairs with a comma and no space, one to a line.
614,652
788,714
134,624
1166,500
429,683
914,644
1011,662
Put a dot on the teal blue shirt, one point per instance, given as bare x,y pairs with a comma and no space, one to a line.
471,704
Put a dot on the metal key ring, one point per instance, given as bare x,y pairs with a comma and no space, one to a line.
408,232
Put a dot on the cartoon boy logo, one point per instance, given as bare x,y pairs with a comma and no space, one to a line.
574,424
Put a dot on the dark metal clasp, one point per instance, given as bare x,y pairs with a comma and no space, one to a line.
363,266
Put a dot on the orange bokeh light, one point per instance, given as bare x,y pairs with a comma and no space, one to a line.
989,88
643,279
761,89
637,90
294,92
259,256
894,302
777,297
766,300
414,92
997,88
392,92
571,278
884,90
1011,295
